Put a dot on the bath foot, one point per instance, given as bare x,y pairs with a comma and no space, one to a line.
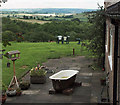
103,100
78,84
52,91
68,91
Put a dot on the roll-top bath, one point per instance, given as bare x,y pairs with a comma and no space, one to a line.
64,74
63,79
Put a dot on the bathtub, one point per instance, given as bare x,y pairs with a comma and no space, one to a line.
63,79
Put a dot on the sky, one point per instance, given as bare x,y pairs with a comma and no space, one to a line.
87,4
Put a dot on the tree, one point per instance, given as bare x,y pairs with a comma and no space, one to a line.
31,17
96,37
25,17
40,36
8,16
6,37
72,35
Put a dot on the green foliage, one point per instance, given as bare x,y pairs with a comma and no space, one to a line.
37,72
4,87
96,36
43,33
18,90
25,17
24,85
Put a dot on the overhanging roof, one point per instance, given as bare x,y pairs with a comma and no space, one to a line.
110,2
113,11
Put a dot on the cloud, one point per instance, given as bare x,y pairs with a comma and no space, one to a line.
52,3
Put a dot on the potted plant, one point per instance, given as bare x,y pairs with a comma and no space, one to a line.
38,75
11,92
3,96
18,91
103,81
24,85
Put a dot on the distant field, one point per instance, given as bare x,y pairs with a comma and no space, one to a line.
32,21
47,18
34,53
36,14
81,16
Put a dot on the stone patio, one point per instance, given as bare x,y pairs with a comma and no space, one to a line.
89,92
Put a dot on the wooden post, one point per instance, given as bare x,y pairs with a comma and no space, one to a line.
73,51
14,58
14,79
14,67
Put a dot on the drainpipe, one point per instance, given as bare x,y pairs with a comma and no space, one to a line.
104,45
115,65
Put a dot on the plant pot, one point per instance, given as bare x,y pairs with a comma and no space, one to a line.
24,85
103,82
38,79
3,98
11,93
18,93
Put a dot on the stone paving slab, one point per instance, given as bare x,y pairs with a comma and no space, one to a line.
89,92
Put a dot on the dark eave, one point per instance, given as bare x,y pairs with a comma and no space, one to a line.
113,11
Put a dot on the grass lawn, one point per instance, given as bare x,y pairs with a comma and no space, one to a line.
34,53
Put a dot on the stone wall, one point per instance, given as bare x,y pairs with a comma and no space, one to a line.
107,63
107,54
